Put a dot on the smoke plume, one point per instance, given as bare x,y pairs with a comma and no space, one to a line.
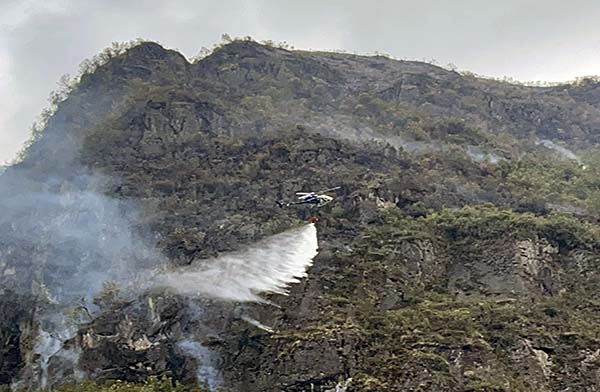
62,239
562,151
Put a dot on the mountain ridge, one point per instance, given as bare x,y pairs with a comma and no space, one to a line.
460,253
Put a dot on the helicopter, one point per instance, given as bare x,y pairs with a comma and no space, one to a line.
315,199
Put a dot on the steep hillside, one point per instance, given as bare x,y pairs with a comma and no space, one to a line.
460,253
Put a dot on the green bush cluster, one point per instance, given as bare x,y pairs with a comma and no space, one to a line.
483,222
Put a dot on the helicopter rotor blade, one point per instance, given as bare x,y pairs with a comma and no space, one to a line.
330,189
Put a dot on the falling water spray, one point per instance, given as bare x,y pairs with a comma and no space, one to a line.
268,266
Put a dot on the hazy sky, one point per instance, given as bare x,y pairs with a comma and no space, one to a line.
40,40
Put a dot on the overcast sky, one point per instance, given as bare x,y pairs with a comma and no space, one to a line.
40,40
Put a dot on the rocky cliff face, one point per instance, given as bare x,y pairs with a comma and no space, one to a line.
460,252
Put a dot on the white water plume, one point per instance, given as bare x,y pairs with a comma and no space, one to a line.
267,266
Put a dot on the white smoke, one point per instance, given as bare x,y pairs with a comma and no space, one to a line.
479,155
62,240
46,347
268,266
49,346
76,239
562,151
207,368
79,239
257,324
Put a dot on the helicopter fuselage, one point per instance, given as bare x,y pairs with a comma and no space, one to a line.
313,198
